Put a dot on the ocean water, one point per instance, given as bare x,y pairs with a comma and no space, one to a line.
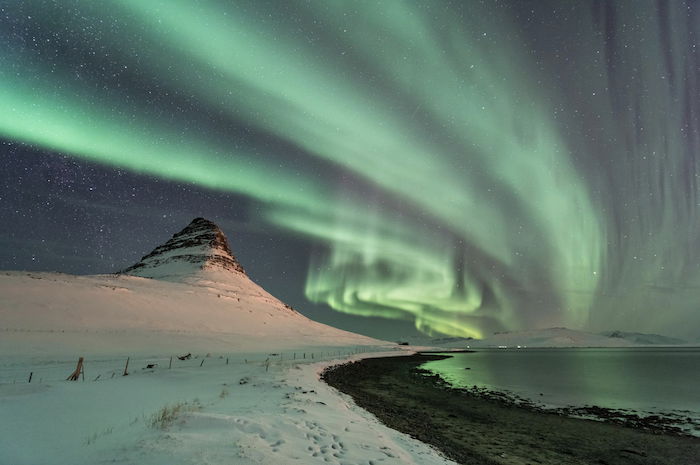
645,380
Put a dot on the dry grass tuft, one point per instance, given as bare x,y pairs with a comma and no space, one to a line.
166,416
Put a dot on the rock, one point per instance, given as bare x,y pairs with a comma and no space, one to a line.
200,245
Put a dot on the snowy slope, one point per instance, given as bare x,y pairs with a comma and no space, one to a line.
50,312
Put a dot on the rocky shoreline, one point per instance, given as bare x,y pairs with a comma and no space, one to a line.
476,426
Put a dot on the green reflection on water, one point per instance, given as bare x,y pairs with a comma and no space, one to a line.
644,379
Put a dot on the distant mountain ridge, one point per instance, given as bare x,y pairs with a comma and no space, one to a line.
644,338
565,337
555,337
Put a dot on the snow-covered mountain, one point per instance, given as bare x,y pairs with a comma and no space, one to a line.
644,338
188,294
554,337
200,246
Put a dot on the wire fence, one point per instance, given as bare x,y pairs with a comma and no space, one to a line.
110,368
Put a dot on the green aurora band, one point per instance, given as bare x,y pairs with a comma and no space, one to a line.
483,192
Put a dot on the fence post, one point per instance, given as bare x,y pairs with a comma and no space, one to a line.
170,365
30,376
126,367
78,370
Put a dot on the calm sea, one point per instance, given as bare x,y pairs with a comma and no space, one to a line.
650,380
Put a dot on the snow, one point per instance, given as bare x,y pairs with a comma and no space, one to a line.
251,393
281,413
209,311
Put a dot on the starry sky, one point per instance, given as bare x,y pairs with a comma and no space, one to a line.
392,168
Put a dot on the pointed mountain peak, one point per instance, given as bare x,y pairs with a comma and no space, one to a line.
202,245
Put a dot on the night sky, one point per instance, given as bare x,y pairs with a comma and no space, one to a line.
454,167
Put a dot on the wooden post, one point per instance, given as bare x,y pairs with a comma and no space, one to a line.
202,362
30,376
78,370
170,365
126,368
226,360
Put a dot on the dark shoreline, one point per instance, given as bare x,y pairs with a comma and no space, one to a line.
471,428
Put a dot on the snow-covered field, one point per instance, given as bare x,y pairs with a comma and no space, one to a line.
252,412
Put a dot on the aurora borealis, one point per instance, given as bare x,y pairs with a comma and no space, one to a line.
467,166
